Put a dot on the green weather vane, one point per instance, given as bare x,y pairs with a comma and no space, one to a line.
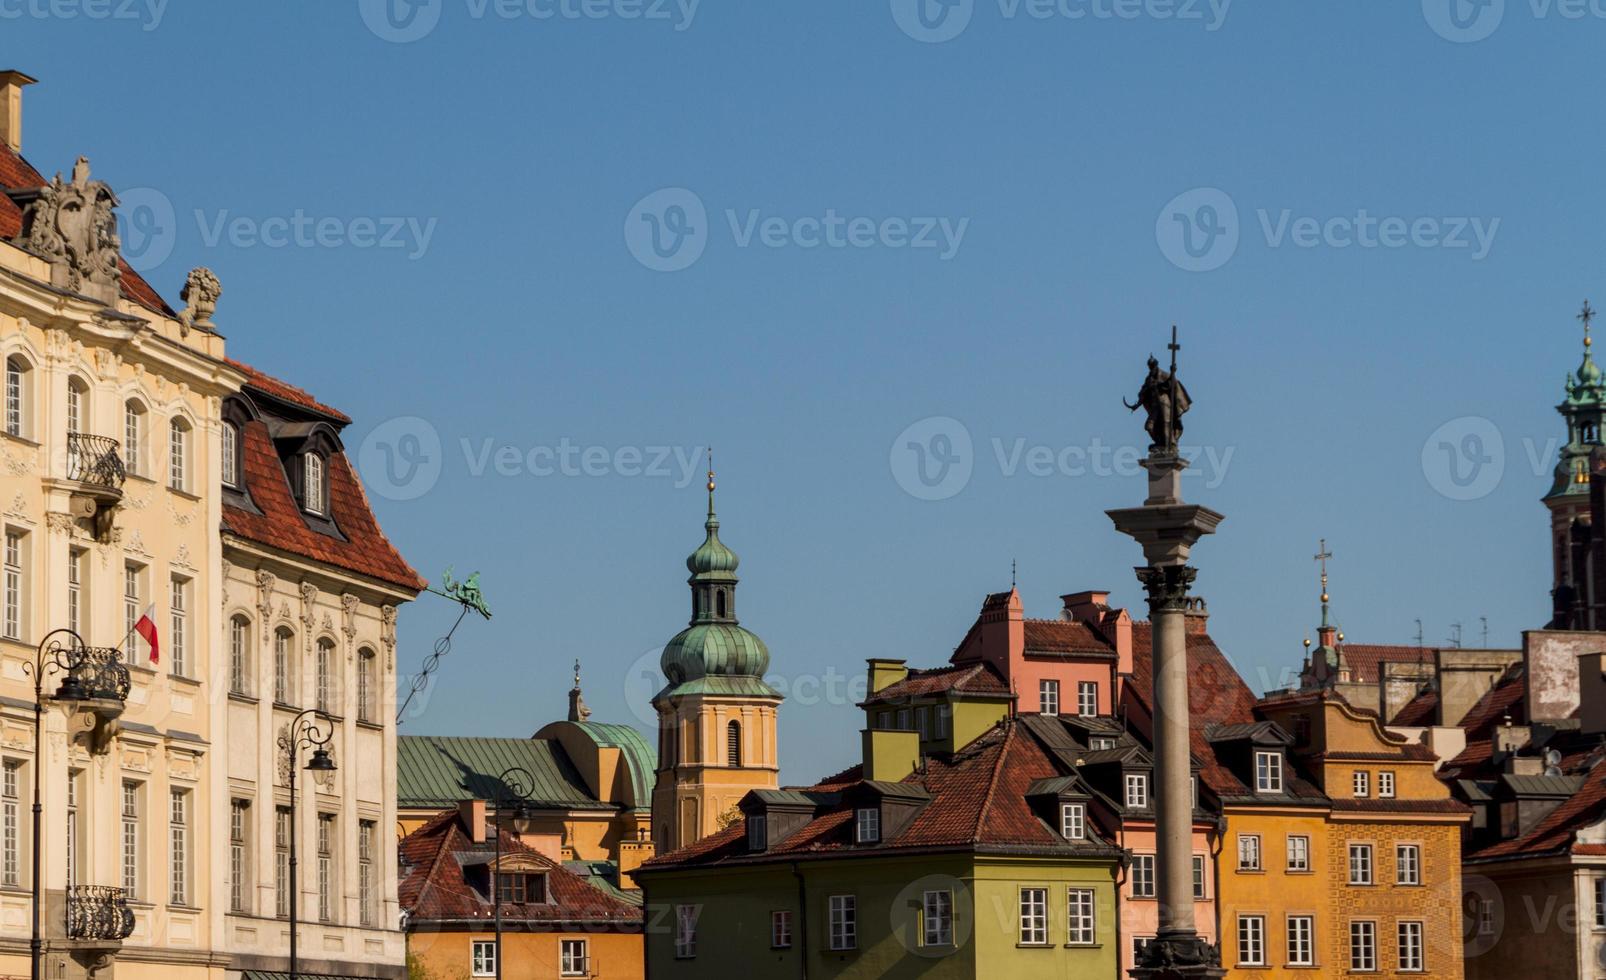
465,593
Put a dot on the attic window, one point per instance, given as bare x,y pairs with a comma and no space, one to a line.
1137,790
523,888
314,490
867,826
1073,821
1268,772
229,458
1100,742
757,832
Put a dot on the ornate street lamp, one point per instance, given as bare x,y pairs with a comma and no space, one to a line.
303,732
63,651
514,785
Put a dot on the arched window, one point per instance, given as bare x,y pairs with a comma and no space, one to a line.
366,663
133,437
733,744
178,454
240,655
283,678
19,397
326,676
719,603
313,490
229,457
77,404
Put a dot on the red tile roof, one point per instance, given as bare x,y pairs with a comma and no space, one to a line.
281,525
973,678
1419,711
1366,659
286,392
17,174
1347,805
434,886
1064,636
1558,831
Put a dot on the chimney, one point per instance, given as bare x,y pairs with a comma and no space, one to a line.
1115,625
1196,618
11,86
890,756
472,813
1086,607
999,635
885,673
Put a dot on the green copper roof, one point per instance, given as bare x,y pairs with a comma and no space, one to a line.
714,650
639,756
434,771
712,561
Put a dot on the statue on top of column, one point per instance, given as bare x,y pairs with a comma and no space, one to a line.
1165,400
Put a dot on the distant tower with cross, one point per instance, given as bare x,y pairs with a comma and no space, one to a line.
1325,665
1572,498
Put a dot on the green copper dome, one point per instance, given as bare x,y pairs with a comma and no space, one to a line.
714,654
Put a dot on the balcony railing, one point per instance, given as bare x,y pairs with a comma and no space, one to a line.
96,461
98,913
94,674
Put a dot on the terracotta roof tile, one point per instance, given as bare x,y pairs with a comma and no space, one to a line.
974,678
1063,636
285,391
1366,659
1557,832
1218,696
280,524
1419,711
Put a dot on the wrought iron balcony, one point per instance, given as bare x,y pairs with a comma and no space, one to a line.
98,913
96,675
96,461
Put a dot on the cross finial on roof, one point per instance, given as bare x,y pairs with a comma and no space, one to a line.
1322,555
1586,316
1013,578
1174,347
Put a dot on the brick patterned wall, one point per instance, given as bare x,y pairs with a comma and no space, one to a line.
1436,903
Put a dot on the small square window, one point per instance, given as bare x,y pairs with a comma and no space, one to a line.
867,826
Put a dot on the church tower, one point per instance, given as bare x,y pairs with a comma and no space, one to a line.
1570,500
716,716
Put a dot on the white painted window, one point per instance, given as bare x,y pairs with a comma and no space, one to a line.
1073,821
844,921
482,955
239,655
74,776
11,798
686,931
1251,940
1080,927
19,384
1410,937
1363,781
1099,742
133,437
1268,772
573,958
867,825
75,589
16,583
1298,852
937,918
1198,876
1385,785
1048,697
1407,864
1087,699
239,855
367,832
281,666
326,867
229,457
179,845
324,670
1137,790
313,488
75,406
781,929
1360,864
1301,940
178,454
178,644
1143,876
1600,903
367,666
133,605
130,837
1249,852
1363,946
282,830
1034,916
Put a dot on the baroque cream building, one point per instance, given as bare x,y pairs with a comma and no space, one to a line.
141,467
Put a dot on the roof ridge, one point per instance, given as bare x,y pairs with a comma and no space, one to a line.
992,784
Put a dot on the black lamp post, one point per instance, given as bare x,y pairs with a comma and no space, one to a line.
303,732
513,785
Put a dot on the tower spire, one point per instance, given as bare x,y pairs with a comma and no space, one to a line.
712,519
577,705
1322,554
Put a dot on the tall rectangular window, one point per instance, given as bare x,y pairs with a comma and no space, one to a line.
282,829
1073,821
75,589
686,931
1385,785
1360,864
867,828
14,397
11,798
178,643
178,438
74,776
937,918
1087,699
1410,935
1048,697
482,958
281,667
1248,852
1251,940
1268,772
1198,876
326,867
239,648
323,666
366,668
133,604
239,855
366,832
573,960
133,437
179,855
781,929
1137,790
15,584
130,838
1600,903
1363,783
1034,916
229,458
1407,864
1298,852
1363,946
1080,929
1301,940
844,921
1143,876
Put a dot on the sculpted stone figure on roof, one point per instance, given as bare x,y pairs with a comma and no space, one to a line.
74,228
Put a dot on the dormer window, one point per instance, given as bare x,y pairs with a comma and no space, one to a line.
1073,821
229,458
522,888
1100,742
867,826
757,832
1137,790
1268,772
314,490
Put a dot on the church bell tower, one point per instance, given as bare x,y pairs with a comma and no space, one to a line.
1571,500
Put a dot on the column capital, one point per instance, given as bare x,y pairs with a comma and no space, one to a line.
1167,586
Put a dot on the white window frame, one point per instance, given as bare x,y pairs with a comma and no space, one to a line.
239,655
1081,926
1073,821
314,484
1600,903
178,453
937,918
1411,948
1251,940
1033,916
1362,783
15,624
326,831
574,957
19,397
178,854
1250,853
1087,699
1048,697
1298,848
1137,790
1363,946
178,643
229,456
1301,940
283,662
132,805
367,840
283,828
686,931
867,825
1142,876
1201,878
1361,869
482,954
239,855
1268,772
1385,784
133,437
73,777
781,929
11,796
324,665
843,919
1407,864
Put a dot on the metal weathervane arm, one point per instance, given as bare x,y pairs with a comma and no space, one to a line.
465,593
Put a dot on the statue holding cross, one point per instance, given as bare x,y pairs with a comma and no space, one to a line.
1165,400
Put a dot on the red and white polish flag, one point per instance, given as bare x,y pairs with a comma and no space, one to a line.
146,628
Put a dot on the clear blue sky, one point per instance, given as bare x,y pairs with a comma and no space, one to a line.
528,321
